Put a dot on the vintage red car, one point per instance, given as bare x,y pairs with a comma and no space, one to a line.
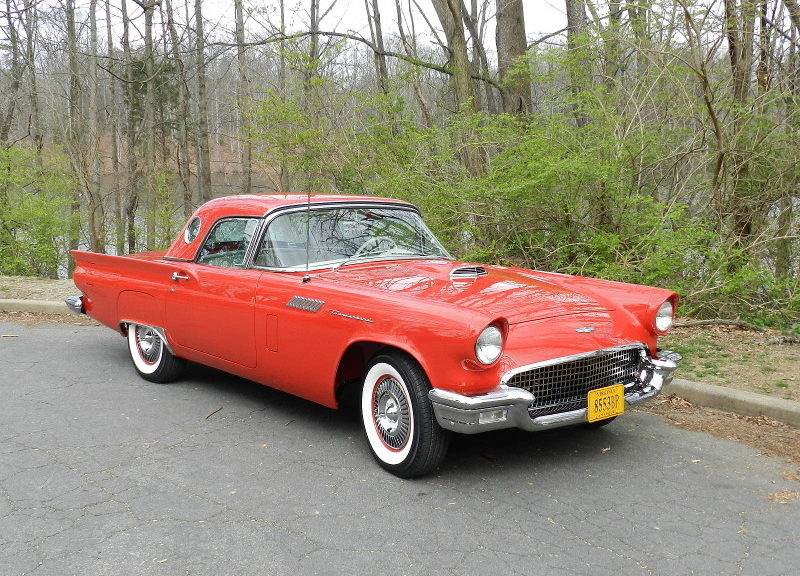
313,294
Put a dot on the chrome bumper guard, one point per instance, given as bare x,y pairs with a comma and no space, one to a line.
75,304
508,406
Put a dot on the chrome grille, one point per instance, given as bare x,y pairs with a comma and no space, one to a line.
563,386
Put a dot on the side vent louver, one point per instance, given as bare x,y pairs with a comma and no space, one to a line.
467,272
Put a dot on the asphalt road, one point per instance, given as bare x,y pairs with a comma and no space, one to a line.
104,473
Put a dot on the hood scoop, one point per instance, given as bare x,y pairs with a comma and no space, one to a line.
467,272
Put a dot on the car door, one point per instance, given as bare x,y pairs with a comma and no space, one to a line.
210,302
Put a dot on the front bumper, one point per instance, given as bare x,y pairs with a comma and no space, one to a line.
508,406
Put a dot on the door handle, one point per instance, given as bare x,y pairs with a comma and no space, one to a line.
176,277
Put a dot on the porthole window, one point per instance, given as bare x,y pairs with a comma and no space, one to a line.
191,231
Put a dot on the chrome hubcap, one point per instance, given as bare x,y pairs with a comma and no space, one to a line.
391,413
149,343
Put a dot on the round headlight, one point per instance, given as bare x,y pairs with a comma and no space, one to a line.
489,345
663,320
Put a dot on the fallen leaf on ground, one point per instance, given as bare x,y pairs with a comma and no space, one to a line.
783,496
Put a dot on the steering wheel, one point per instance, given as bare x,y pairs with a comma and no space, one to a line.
372,244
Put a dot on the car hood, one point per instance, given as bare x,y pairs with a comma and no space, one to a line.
513,294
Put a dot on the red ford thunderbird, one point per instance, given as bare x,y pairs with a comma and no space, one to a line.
312,294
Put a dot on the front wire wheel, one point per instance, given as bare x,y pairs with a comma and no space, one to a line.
398,418
151,357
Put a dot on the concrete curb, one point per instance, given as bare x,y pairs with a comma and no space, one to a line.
40,306
737,401
719,397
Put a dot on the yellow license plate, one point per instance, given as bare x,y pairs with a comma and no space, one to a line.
605,403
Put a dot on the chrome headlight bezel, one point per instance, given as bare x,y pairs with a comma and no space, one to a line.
489,345
664,318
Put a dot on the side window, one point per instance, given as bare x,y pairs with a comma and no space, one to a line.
192,229
226,245
284,242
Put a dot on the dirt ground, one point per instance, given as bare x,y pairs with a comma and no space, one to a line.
726,356
763,362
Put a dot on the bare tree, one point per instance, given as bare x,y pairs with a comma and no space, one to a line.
480,61
148,123
74,124
409,46
182,113
243,97
30,22
451,18
17,70
131,133
579,71
92,182
511,49
376,33
203,152
113,117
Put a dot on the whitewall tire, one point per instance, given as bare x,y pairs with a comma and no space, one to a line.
398,418
151,357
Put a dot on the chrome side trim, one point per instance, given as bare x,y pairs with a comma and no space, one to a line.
75,304
563,359
462,414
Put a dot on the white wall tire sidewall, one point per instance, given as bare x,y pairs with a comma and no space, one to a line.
136,355
384,454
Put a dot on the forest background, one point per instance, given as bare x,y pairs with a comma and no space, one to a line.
650,141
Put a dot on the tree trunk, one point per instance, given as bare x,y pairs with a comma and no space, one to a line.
181,114
31,23
793,6
119,214
376,33
638,16
480,61
579,70
283,177
73,125
149,124
411,52
511,50
451,19
94,200
243,98
132,162
739,28
17,70
612,38
203,153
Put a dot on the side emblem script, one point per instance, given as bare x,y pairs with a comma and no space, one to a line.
585,329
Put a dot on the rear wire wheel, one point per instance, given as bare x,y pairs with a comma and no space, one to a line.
151,357
398,418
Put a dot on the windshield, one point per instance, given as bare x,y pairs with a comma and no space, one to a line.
334,236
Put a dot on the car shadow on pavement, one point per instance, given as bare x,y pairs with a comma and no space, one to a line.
502,449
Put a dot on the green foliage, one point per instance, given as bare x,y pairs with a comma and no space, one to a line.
34,213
